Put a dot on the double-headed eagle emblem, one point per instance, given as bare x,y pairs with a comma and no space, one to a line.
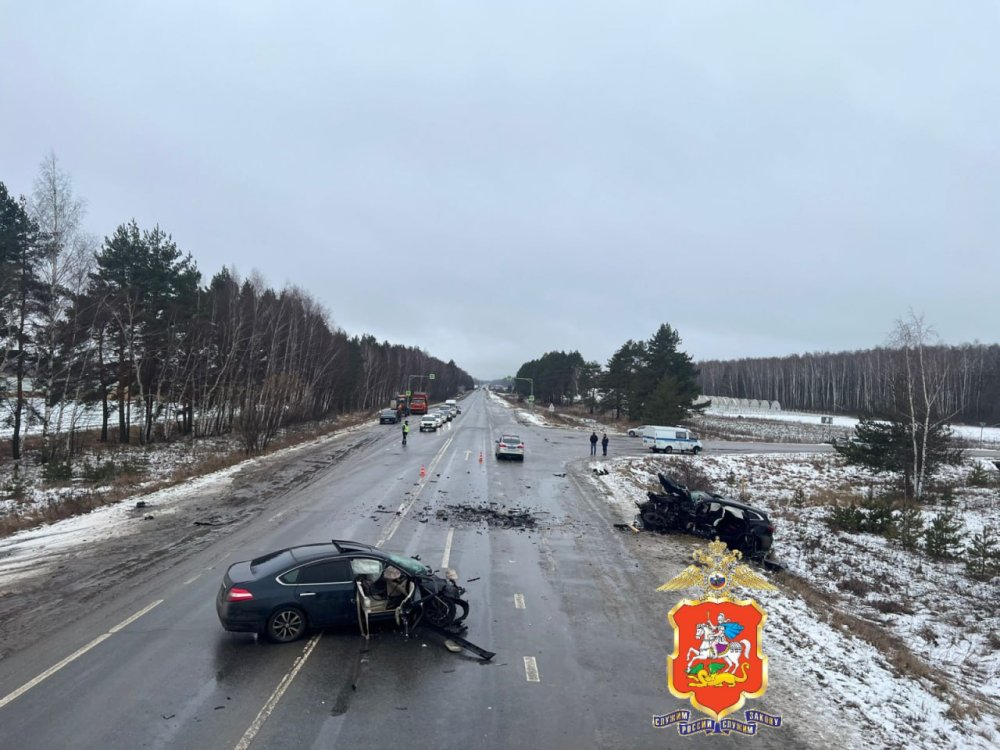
716,571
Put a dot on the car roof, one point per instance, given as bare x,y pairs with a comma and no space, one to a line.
506,435
306,552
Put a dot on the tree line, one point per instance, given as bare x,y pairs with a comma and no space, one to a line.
128,327
860,382
652,381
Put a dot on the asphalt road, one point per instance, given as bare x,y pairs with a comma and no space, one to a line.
570,607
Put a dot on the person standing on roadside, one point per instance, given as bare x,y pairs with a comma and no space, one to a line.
604,443
593,444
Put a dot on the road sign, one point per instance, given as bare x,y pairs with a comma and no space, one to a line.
431,376
409,393
531,399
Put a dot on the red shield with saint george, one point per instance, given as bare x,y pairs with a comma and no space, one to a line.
717,660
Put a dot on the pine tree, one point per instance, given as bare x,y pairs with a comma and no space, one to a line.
909,526
982,557
942,538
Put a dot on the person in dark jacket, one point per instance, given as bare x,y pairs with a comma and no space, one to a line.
604,443
593,444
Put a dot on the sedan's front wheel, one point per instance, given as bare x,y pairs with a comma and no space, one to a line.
286,625
440,612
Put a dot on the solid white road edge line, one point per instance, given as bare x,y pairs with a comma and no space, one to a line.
519,601
531,669
279,691
76,655
447,548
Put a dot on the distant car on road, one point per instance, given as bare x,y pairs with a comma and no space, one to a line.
388,416
636,431
509,446
284,594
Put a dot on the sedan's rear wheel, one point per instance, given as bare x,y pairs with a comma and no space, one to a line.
286,625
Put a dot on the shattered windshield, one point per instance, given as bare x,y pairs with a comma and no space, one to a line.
408,564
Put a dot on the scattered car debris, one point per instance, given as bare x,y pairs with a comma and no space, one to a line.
493,515
473,579
601,471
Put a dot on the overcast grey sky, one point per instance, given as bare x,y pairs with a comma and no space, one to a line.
492,181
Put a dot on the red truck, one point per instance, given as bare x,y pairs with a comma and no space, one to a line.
418,403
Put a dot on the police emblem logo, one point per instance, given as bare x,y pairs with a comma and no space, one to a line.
717,660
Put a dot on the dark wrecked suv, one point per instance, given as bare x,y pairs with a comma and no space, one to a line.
708,515
284,594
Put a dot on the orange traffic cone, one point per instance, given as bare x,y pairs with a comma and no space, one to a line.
423,472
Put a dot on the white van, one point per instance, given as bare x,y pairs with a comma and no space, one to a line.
670,440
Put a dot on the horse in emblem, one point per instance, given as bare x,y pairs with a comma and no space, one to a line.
717,643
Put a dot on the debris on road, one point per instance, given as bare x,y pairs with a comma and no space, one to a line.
493,515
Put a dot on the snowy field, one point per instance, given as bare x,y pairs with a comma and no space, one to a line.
971,434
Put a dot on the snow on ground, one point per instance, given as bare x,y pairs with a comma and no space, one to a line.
22,553
990,436
947,620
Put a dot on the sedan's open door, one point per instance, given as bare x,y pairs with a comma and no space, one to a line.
364,609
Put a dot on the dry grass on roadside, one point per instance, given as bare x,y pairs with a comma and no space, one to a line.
896,651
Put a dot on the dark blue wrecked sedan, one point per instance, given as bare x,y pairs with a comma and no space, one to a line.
284,594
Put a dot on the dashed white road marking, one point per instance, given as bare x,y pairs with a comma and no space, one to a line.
405,506
279,691
531,669
447,548
192,579
519,601
76,655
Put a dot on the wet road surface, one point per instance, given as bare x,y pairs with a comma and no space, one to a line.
569,606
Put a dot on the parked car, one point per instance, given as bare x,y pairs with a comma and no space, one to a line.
509,446
429,423
388,416
284,594
708,515
636,431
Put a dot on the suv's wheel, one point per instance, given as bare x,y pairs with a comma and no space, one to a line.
286,625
